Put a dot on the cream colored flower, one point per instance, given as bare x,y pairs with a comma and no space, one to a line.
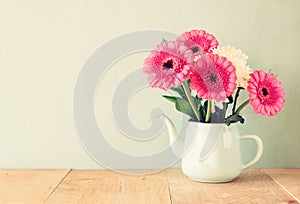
239,60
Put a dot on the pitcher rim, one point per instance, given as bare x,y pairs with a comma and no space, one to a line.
204,123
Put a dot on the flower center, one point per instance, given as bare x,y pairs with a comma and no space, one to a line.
168,65
195,49
213,78
265,92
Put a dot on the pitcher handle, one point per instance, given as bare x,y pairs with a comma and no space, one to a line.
259,149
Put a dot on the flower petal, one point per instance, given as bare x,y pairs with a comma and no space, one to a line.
265,93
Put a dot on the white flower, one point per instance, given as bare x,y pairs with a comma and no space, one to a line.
239,60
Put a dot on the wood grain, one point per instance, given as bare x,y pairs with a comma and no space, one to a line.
289,179
28,186
102,186
144,189
253,186
87,186
170,186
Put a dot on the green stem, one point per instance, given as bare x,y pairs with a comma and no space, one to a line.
190,99
243,105
208,112
235,99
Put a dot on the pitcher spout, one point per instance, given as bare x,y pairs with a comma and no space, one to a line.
176,144
171,128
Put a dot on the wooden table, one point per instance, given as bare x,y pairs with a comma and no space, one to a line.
169,186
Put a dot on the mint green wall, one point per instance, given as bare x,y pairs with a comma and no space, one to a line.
43,45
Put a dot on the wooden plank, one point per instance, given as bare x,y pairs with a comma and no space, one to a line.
87,186
153,188
253,186
103,186
28,186
289,179
170,186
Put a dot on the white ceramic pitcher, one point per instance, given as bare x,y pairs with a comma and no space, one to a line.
212,151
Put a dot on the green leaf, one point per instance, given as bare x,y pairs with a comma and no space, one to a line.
183,106
197,100
219,115
202,114
188,82
163,40
234,119
171,98
179,90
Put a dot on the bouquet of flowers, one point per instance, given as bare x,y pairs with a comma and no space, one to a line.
208,79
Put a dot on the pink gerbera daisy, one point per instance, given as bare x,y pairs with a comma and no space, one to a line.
199,41
213,77
167,65
265,93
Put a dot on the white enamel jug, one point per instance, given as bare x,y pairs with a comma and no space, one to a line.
211,151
